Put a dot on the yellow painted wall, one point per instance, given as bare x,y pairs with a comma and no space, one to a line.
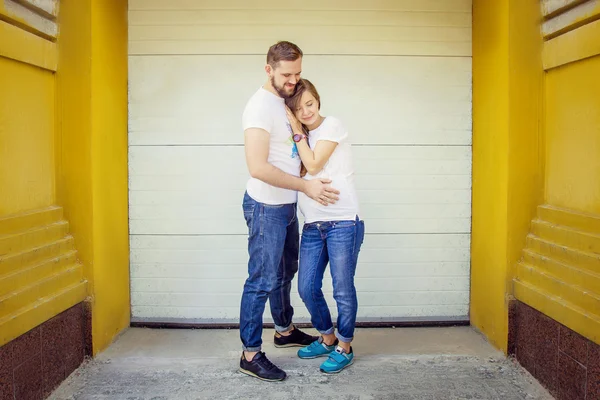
507,160
74,127
566,284
110,171
526,135
559,272
40,275
490,172
63,141
26,136
92,148
573,136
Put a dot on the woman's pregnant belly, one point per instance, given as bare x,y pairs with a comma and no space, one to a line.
345,208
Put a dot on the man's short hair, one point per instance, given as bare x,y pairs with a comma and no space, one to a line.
283,51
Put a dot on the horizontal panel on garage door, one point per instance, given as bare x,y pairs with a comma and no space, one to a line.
452,6
409,27
209,186
341,34
195,100
397,275
223,313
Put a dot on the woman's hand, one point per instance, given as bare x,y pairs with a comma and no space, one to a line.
296,125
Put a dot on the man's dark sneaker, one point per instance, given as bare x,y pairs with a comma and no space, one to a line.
260,367
295,339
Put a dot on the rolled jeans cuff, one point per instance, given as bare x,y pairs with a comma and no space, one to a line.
328,331
342,338
282,329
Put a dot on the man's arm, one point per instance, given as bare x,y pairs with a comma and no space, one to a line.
257,155
256,144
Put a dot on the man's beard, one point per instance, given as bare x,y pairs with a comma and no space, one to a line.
281,90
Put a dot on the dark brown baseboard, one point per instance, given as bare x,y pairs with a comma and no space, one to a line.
34,364
564,362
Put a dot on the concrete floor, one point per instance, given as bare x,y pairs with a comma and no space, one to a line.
402,363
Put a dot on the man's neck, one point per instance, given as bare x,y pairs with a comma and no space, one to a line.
268,87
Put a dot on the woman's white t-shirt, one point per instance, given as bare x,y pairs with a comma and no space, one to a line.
340,169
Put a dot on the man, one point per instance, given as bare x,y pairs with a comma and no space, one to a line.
270,212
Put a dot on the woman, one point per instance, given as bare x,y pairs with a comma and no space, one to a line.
331,234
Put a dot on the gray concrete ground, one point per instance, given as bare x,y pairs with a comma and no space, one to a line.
402,363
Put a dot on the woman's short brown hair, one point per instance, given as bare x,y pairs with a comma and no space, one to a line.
283,51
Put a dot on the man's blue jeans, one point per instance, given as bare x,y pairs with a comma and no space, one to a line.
273,236
337,243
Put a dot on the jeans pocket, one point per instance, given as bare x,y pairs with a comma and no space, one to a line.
344,224
361,225
278,214
248,209
308,226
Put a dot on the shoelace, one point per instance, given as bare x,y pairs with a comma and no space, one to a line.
265,362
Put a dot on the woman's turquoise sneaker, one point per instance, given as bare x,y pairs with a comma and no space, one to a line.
316,349
337,361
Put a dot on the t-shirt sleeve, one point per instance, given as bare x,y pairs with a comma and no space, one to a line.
257,116
334,131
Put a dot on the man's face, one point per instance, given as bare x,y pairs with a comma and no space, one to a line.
285,77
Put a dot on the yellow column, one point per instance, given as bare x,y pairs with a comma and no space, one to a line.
111,311
490,170
92,153
506,147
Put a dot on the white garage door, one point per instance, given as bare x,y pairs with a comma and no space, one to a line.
397,72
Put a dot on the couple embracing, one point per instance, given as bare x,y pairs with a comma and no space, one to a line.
297,159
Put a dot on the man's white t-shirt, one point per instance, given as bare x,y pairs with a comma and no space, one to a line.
266,111
340,169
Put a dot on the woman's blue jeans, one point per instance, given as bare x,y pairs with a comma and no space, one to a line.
337,243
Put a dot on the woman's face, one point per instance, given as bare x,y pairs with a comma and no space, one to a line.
308,109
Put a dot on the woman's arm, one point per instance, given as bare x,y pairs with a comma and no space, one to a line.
314,161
